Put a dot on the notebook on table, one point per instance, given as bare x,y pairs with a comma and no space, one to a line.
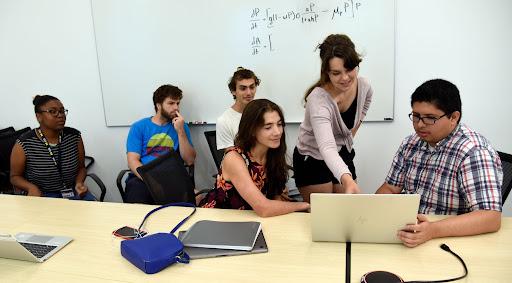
31,247
361,218
196,253
222,235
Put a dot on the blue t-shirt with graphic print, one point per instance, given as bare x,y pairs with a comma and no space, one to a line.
150,140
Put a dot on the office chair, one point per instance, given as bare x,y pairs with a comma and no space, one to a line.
217,154
506,162
89,161
7,130
7,140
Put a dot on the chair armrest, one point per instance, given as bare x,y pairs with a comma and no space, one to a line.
89,161
190,171
119,181
5,184
4,175
100,184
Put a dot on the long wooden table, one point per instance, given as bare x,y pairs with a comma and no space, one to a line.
94,254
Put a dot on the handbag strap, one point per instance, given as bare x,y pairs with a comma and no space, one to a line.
186,204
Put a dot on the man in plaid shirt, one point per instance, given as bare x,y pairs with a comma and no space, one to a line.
454,169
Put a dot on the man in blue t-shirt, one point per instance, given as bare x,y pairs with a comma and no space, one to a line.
153,136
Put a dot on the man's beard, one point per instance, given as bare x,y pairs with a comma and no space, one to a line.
168,116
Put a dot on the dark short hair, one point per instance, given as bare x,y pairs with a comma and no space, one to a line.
164,92
241,74
252,120
40,100
441,93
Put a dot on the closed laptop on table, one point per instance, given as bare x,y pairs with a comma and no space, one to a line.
222,235
31,247
361,218
196,253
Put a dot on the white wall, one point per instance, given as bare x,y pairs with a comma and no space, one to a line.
48,47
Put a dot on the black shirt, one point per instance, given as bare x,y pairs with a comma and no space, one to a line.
349,116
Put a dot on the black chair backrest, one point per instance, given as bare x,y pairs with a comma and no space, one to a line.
7,130
506,162
217,154
89,161
167,179
7,141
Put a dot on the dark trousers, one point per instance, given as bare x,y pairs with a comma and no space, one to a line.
136,191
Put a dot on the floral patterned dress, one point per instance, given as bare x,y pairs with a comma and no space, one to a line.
225,195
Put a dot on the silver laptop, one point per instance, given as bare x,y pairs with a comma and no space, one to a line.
260,246
31,247
361,218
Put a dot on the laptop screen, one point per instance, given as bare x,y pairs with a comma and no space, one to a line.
361,218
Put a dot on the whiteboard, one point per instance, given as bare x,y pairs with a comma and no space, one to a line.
198,44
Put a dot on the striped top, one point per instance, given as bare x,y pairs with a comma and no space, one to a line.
40,169
462,173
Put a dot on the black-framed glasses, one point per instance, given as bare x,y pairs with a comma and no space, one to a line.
55,112
427,120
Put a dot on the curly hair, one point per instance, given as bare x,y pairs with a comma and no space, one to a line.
241,74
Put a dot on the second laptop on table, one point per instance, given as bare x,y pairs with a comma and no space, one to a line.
222,235
361,218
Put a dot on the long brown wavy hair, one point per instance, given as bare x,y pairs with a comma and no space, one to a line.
252,120
335,45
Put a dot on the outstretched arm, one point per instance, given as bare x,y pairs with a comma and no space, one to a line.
235,169
472,223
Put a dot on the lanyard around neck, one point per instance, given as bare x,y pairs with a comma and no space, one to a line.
49,148
52,156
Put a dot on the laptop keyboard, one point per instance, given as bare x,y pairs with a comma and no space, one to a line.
38,250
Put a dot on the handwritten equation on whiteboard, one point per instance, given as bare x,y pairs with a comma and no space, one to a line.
263,21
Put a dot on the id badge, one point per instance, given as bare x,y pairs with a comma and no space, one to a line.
67,193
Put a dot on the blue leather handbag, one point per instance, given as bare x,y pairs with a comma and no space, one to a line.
155,252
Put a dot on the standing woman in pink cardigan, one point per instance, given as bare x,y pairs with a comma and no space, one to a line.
335,108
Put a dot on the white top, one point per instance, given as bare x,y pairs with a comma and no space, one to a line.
227,128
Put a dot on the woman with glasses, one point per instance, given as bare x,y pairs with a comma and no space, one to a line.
49,161
335,108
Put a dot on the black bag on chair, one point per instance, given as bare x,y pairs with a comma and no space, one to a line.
167,179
